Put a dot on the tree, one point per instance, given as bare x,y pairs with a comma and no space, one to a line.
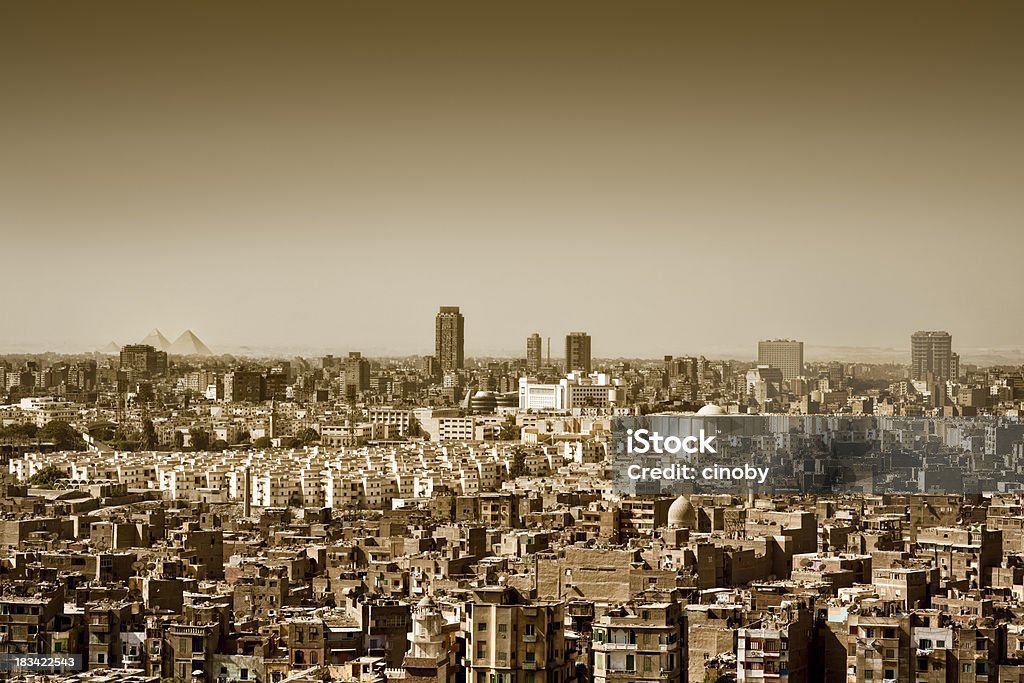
179,440
24,431
218,445
63,435
262,442
149,440
200,439
309,435
244,436
47,477
518,466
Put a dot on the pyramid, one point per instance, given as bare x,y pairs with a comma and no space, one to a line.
188,344
111,348
157,340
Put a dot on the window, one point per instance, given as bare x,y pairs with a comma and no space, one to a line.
922,663
630,663
482,626
925,644
531,656
981,667
502,628
869,675
940,643
530,630
890,673
967,668
244,674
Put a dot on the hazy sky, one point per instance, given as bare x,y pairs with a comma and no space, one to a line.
670,177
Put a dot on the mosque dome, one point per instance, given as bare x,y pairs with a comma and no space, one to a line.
682,513
711,409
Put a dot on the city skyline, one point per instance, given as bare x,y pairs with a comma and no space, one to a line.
879,355
253,186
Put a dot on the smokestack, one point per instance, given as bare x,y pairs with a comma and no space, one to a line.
549,352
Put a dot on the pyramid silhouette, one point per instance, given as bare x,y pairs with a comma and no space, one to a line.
111,348
188,344
157,340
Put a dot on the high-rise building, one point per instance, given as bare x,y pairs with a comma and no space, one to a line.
577,352
931,352
785,354
534,353
143,360
243,386
449,338
357,373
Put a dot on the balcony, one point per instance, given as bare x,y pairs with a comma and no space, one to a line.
530,638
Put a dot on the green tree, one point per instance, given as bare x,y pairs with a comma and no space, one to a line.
63,435
47,477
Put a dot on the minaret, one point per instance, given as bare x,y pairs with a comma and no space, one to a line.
428,654
247,493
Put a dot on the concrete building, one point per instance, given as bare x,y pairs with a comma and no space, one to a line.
449,338
577,352
784,354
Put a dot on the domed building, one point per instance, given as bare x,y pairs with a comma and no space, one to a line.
711,410
682,514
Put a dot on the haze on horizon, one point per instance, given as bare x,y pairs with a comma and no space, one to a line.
670,178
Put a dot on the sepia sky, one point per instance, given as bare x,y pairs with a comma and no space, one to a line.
671,177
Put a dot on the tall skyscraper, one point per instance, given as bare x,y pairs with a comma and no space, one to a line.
449,338
785,354
932,352
534,352
577,352
143,360
357,373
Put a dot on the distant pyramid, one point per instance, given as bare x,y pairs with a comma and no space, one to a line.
111,348
188,344
157,340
